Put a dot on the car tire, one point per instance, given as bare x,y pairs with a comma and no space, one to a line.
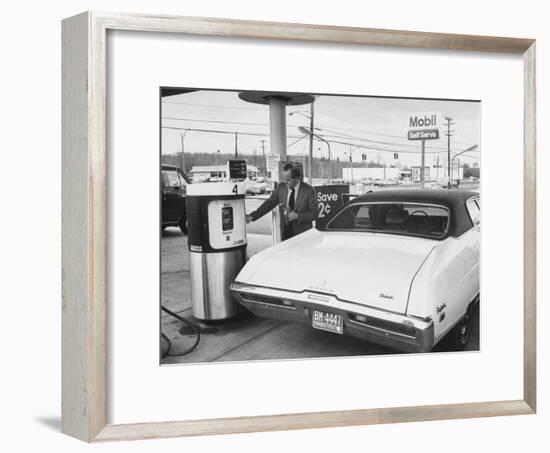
183,223
463,330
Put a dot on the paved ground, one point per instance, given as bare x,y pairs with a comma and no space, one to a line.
246,337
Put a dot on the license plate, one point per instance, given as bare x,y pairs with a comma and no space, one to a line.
327,321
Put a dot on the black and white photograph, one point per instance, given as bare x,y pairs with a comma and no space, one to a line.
312,225
269,227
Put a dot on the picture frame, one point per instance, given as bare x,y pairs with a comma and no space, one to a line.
85,396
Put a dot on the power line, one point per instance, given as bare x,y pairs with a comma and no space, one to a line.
241,123
394,149
296,141
353,137
388,143
212,106
298,138
333,128
214,131
244,123
405,145
328,128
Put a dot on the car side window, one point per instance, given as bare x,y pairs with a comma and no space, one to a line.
363,216
473,210
171,179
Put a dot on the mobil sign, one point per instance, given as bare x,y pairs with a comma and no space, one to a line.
424,126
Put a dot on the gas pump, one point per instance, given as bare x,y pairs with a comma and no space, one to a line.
217,246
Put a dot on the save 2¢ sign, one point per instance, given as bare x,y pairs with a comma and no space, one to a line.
329,200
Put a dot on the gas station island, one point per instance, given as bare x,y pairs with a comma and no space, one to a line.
201,321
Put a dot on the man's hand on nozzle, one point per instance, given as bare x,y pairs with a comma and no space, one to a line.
292,216
248,218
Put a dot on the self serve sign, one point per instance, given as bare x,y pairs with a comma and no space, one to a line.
424,126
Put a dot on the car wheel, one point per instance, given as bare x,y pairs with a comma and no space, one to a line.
463,330
183,223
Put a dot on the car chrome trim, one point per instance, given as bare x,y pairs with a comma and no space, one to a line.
261,302
254,288
421,318
380,329
331,301
319,297
414,278
403,333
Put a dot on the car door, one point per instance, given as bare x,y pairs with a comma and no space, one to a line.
180,201
462,273
174,185
474,210
468,288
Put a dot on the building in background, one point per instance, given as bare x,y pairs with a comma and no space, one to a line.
415,174
373,173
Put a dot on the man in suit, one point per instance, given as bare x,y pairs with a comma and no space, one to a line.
297,200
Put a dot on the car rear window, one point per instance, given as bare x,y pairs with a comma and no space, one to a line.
409,219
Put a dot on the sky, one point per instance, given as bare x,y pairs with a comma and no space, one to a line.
371,125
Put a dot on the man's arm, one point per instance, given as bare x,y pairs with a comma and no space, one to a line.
266,206
310,214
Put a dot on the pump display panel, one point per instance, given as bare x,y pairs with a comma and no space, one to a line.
226,223
227,219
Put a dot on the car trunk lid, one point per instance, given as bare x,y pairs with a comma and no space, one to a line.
367,268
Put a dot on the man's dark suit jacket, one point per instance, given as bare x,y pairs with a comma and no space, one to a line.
305,206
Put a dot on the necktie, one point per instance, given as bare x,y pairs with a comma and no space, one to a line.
291,200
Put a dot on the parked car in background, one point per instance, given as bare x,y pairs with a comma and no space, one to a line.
395,267
432,185
174,189
255,187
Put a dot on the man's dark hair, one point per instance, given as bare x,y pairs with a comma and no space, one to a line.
294,170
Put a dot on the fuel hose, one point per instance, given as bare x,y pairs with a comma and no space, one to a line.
196,329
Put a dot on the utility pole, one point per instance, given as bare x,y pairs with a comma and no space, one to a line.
182,136
448,134
351,164
263,147
311,116
329,161
263,154
236,152
423,164
471,148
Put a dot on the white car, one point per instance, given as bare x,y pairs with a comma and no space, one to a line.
395,267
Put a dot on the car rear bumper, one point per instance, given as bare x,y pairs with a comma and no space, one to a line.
385,328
